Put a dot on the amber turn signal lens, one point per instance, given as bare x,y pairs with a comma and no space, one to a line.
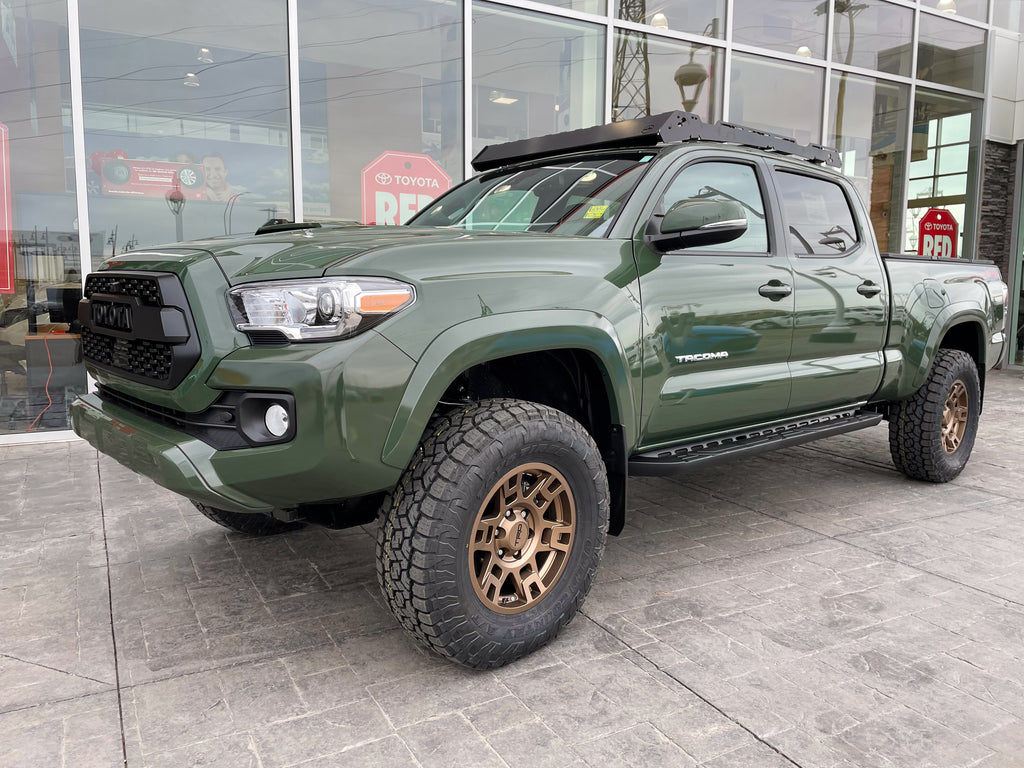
382,303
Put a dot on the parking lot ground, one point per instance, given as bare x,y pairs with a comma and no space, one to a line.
810,607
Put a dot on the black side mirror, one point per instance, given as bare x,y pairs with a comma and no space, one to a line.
694,222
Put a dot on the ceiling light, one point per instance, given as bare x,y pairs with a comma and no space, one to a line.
191,80
659,20
804,52
947,6
204,56
500,98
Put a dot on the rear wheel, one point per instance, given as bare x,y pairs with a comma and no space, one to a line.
254,524
931,435
489,544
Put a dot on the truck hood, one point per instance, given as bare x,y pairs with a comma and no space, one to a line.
299,253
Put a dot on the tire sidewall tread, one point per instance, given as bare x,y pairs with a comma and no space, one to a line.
915,425
423,564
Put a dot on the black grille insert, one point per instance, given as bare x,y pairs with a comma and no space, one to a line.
138,326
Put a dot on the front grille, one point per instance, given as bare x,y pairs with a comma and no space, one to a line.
149,359
139,326
147,289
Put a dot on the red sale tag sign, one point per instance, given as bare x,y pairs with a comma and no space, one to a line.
937,234
399,184
6,222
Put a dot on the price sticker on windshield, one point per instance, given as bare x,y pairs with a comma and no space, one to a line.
595,212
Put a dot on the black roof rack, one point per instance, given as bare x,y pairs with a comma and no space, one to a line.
666,128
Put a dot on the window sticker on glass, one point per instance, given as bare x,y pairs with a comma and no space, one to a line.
595,212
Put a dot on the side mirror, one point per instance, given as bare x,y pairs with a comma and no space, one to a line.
694,222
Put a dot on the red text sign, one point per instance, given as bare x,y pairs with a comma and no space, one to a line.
398,184
937,234
6,222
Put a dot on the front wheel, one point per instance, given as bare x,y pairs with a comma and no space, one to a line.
931,435
489,543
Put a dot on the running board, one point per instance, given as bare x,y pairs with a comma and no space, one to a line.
686,456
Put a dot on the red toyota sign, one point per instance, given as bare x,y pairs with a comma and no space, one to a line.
6,222
937,234
398,184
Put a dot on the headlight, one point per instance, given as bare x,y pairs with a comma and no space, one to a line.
309,310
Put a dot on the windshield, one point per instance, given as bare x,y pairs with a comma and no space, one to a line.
570,197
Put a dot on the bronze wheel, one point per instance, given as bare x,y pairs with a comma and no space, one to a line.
489,543
522,538
931,434
954,417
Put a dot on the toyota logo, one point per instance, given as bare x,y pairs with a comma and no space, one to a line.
383,178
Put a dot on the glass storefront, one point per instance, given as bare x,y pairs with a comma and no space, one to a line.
653,75
533,75
944,153
40,257
176,149
193,116
777,96
868,125
377,78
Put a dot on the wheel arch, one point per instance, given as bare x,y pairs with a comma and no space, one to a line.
574,361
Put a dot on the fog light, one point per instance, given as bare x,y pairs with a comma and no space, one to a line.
276,420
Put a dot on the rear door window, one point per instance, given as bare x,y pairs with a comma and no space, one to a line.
817,215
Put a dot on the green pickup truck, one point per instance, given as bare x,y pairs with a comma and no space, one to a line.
644,297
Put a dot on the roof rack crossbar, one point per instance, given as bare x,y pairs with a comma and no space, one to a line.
666,128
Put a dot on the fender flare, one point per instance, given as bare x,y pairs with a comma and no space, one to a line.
948,318
496,336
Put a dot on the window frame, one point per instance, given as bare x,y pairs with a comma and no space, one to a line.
760,177
843,185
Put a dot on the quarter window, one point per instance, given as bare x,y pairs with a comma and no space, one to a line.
817,215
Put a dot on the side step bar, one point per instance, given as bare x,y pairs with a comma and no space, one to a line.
677,458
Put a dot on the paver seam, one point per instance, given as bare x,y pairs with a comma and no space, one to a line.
640,651
110,605
55,669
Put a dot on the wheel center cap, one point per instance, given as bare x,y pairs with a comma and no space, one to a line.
513,535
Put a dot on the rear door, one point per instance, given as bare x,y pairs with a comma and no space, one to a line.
717,320
841,311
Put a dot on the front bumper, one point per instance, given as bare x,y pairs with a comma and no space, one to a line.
159,453
346,395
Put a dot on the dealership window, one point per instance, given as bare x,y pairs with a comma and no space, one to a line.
533,74
186,119
654,75
968,9
951,53
874,35
699,17
943,164
40,262
777,96
794,27
379,79
587,6
868,124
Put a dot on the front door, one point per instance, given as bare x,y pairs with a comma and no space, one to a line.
717,320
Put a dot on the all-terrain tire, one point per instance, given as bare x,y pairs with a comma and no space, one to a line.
931,435
488,545
254,524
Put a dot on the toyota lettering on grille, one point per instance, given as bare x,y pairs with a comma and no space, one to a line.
111,315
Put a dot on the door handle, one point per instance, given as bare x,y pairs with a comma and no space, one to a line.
869,289
775,290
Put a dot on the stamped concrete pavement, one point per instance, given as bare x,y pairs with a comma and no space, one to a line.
807,608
